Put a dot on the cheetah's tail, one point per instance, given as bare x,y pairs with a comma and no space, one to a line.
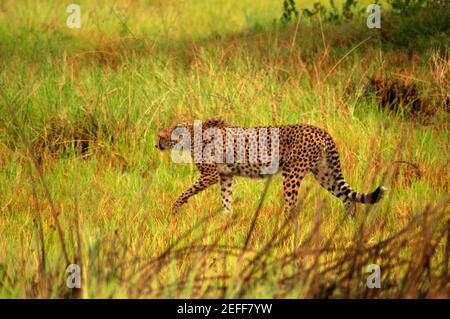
370,198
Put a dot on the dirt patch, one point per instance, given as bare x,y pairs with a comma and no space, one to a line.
405,173
60,137
84,137
399,96
110,54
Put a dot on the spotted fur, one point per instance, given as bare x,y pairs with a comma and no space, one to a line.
301,148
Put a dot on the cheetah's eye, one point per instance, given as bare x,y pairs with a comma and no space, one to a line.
177,138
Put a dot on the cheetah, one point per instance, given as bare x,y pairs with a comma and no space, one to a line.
222,151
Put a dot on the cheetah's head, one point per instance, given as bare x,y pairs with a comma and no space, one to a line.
173,135
170,136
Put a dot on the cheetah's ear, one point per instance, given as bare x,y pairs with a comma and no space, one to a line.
179,125
215,121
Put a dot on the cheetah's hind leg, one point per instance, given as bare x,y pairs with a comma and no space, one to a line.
226,192
329,175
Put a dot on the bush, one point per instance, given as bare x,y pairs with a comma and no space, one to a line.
418,24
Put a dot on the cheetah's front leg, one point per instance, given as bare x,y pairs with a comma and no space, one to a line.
203,182
226,192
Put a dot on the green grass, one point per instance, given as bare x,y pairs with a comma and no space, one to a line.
136,67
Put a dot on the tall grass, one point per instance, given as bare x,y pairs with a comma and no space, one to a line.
80,181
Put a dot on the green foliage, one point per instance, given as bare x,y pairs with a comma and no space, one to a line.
412,6
418,25
289,11
349,10
413,24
